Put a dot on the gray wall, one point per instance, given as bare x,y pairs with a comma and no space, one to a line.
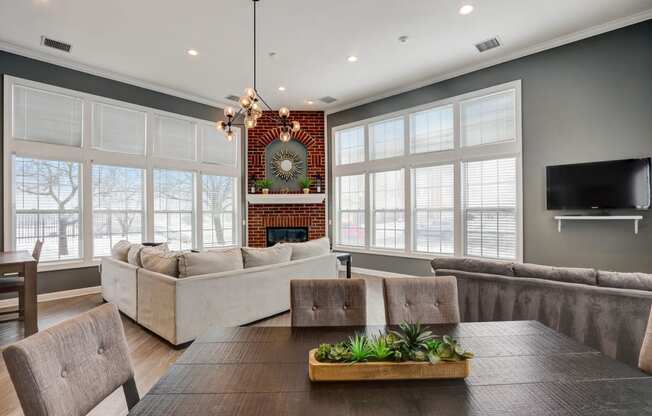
586,101
19,66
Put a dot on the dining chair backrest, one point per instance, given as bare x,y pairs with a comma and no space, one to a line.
428,300
36,253
71,367
328,302
645,356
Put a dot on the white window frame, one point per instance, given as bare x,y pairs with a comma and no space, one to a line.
87,155
408,161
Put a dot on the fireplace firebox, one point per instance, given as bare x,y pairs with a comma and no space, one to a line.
286,235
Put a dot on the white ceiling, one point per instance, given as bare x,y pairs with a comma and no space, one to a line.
147,40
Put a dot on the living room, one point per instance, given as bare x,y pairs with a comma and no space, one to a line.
180,192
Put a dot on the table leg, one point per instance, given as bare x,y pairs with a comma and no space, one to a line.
348,268
31,311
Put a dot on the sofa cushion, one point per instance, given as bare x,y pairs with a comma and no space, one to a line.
254,257
160,261
561,274
133,256
212,261
120,250
637,281
312,248
503,268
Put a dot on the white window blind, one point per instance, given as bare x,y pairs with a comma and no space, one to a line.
387,138
433,209
431,130
175,138
219,222
118,129
490,208
47,207
46,117
118,208
488,119
217,149
350,210
388,209
349,146
173,208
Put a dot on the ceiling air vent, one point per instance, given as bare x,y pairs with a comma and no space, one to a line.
232,98
51,43
327,99
487,44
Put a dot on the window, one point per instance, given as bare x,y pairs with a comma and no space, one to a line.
386,139
433,209
216,149
431,130
46,117
218,211
489,119
351,210
349,146
118,129
490,208
454,191
47,207
388,210
118,208
175,138
173,208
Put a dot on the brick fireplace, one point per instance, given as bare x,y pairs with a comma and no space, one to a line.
261,215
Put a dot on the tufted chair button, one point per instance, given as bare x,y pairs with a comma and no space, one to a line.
437,303
64,373
100,350
314,307
407,304
345,307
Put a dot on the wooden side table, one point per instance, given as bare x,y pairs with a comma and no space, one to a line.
24,264
345,258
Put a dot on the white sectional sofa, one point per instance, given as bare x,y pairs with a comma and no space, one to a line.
180,309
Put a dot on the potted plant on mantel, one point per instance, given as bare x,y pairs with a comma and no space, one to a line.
264,185
305,184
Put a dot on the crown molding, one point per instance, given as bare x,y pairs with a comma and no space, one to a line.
115,76
540,47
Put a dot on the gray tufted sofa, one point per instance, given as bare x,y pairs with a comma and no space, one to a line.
605,310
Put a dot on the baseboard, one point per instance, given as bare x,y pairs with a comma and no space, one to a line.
46,297
378,273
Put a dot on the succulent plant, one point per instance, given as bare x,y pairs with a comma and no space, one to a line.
412,337
333,353
305,182
446,349
359,348
380,347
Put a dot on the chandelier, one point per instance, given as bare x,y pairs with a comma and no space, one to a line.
251,109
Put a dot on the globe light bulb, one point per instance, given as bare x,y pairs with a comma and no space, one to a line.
296,126
250,122
250,92
230,135
256,106
221,125
256,113
284,112
229,112
245,102
285,136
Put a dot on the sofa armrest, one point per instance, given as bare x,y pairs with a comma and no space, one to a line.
120,285
157,303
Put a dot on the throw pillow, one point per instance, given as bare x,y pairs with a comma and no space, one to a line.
310,248
212,261
160,261
254,257
133,256
120,250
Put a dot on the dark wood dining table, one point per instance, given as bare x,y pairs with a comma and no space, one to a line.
520,368
24,264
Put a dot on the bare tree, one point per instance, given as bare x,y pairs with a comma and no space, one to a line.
120,193
218,196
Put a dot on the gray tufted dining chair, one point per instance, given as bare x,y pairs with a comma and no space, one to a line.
645,357
71,367
328,302
428,300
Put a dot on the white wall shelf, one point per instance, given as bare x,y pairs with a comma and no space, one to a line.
635,218
286,198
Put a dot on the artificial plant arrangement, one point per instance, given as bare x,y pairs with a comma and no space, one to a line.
305,184
264,185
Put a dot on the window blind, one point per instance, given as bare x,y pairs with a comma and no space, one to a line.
488,119
173,208
490,208
218,211
175,138
433,209
388,209
349,146
386,138
431,130
216,149
46,117
118,208
350,210
118,129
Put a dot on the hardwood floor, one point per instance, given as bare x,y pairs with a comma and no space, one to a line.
150,355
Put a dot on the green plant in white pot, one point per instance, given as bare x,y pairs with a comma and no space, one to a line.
264,185
305,184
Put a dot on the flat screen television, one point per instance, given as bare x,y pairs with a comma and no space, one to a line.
614,184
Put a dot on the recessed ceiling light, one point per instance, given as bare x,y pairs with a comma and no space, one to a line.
310,102
403,38
352,58
281,88
193,52
466,9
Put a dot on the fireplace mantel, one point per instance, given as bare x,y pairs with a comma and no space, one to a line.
286,198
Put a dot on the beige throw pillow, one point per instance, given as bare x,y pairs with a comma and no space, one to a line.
310,248
120,250
160,261
213,261
254,257
133,256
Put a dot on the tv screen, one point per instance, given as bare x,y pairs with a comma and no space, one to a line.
600,185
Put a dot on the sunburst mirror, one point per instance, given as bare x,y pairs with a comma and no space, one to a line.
286,165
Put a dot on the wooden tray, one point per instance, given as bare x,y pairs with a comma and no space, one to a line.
407,370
